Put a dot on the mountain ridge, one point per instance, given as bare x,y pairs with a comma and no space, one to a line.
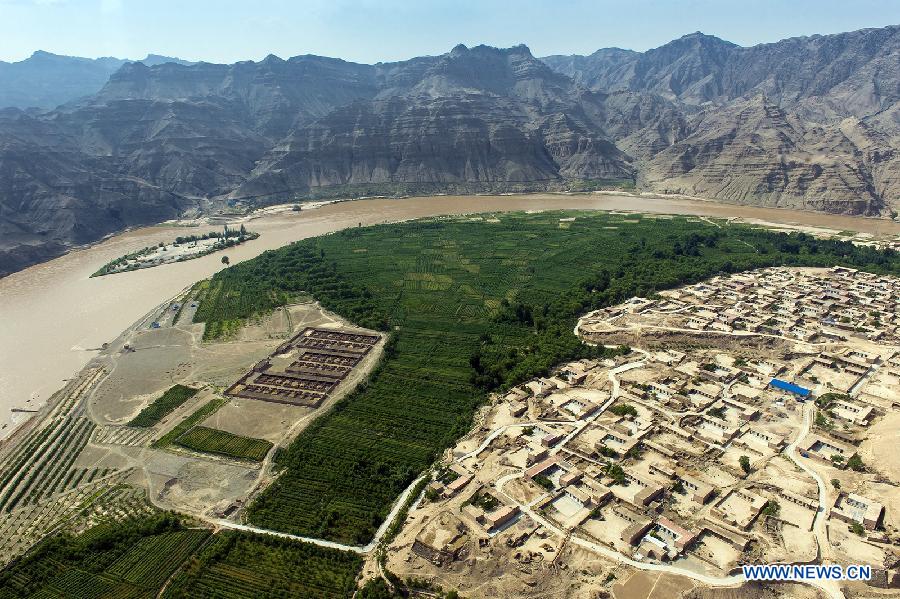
45,80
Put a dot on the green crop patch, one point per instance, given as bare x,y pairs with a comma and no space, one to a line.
126,559
210,440
163,406
246,565
201,414
471,306
158,555
153,559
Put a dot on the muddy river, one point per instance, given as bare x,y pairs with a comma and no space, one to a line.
53,316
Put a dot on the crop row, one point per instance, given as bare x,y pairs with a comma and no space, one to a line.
208,440
138,557
201,414
163,405
150,562
243,565
40,476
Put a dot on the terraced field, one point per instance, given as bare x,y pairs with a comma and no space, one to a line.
209,440
472,304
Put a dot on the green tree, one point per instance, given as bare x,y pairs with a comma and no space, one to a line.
718,412
544,482
745,463
616,473
855,463
225,260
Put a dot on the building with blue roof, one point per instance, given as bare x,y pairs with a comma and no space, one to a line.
790,388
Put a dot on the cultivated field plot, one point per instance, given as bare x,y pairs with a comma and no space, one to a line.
185,425
135,558
150,562
306,369
471,305
41,465
121,435
161,407
130,559
243,565
209,440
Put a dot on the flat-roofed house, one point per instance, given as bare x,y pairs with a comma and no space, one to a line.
457,485
675,534
745,412
541,467
581,497
850,507
501,516
648,490
571,477
551,439
852,412
637,527
699,491
825,449
770,440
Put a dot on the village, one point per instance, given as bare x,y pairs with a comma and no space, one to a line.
750,423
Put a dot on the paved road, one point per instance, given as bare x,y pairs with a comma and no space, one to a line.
361,549
283,535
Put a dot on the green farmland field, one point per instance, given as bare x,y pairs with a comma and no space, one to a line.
472,304
132,559
201,414
210,440
245,565
162,406
135,559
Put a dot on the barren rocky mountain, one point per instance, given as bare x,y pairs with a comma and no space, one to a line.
753,151
45,80
471,118
805,122
854,73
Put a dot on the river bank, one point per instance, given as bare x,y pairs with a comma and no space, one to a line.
55,316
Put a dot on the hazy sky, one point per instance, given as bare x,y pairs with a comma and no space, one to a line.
383,30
